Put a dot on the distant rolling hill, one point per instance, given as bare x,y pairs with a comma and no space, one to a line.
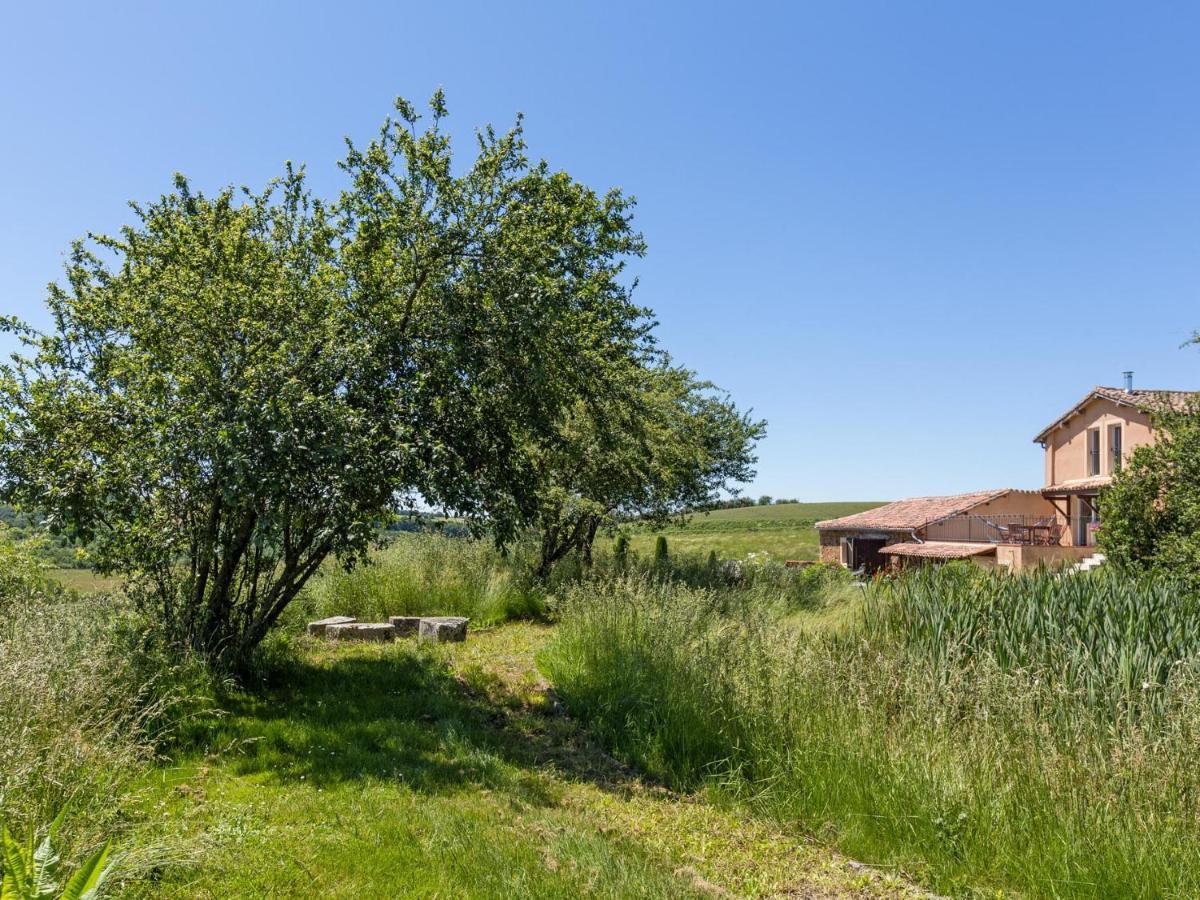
783,530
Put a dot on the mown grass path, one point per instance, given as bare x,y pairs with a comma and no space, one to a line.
401,771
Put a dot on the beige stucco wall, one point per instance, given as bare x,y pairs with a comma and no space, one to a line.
1017,503
1015,557
1066,446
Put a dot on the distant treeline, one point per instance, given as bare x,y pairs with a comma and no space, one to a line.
427,522
28,528
743,502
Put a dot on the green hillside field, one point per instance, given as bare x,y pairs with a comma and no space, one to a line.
783,530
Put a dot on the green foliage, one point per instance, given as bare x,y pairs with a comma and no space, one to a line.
663,444
87,705
29,872
945,733
21,575
239,387
660,550
426,575
1151,512
621,549
1112,640
29,529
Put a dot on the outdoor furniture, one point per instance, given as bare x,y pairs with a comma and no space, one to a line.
1019,533
1002,530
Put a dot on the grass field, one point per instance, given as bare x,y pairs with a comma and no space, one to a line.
406,771
784,530
84,580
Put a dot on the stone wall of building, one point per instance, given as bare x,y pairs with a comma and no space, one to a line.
831,545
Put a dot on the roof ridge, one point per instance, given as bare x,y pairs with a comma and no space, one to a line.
1114,395
940,507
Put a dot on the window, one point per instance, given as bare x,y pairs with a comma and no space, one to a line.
1093,448
1114,448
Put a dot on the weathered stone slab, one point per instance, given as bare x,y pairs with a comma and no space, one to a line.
440,629
317,629
405,625
372,632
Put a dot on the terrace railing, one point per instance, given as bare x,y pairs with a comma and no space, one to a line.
999,529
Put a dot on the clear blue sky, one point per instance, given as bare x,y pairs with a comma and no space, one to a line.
907,234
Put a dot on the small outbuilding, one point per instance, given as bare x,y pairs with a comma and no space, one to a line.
960,526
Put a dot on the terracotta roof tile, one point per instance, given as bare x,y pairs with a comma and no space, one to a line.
906,515
939,549
1147,399
1078,485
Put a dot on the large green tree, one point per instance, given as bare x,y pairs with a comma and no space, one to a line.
238,387
1151,511
662,444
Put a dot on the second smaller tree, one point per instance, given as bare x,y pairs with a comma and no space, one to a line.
663,444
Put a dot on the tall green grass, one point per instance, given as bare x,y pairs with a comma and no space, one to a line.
425,574
431,574
1115,642
987,766
86,705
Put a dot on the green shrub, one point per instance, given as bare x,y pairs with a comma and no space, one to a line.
1151,512
660,550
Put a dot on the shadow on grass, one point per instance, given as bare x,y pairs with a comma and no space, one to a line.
402,716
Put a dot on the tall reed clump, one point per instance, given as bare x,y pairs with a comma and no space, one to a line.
1115,642
965,771
84,705
426,574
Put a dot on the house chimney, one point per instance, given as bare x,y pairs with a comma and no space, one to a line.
1128,382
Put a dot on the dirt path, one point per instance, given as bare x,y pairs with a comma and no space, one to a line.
716,848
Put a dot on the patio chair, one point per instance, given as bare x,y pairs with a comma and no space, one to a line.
1054,533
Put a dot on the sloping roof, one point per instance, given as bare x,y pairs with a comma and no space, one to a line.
1145,400
939,549
907,515
1077,486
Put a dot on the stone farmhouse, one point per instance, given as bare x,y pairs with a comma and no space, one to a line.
1013,529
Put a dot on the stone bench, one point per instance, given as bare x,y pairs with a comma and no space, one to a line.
372,632
405,625
317,629
442,629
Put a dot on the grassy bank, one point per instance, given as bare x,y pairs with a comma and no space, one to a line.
971,767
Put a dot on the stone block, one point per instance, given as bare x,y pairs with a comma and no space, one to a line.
317,629
369,632
405,625
440,629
